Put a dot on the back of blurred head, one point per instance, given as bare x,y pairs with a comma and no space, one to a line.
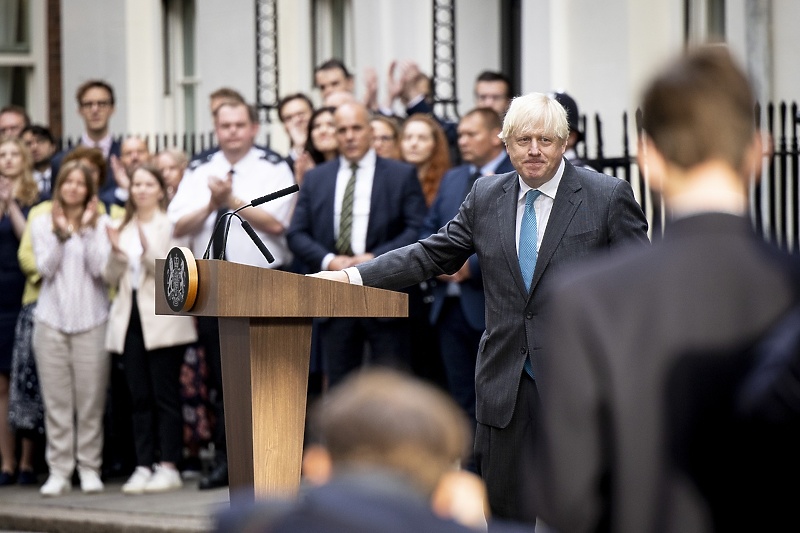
701,108
380,419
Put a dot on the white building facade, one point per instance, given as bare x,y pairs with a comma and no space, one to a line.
164,57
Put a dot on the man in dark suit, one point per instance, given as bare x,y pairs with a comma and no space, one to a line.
576,213
350,210
620,326
458,306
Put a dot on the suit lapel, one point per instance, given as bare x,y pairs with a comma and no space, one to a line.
325,188
376,197
568,199
507,215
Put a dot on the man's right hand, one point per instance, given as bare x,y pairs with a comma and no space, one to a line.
333,275
120,173
221,190
340,262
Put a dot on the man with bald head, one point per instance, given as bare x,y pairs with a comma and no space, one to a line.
349,210
133,153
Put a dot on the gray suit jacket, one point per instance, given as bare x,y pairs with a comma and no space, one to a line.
591,212
618,329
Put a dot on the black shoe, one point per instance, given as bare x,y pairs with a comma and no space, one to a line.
27,477
218,477
9,478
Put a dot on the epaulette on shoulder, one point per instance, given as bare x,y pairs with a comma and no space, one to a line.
269,155
201,159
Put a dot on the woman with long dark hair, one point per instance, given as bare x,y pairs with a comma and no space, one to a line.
321,143
152,346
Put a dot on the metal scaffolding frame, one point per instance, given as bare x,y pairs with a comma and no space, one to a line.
266,58
444,59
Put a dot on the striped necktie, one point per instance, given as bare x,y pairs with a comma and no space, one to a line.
343,243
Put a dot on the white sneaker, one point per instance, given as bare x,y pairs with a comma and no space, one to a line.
55,486
137,481
90,482
163,480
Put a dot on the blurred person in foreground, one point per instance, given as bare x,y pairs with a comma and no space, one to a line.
620,325
386,460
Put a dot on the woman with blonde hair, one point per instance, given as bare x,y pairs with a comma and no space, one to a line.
172,163
424,145
71,250
18,192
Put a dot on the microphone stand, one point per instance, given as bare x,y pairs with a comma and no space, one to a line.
246,225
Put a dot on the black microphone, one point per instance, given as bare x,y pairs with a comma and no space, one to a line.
246,225
274,195
254,237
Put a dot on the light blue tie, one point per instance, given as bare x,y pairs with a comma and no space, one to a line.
528,235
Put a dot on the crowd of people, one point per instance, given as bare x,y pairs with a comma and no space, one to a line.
96,384
393,196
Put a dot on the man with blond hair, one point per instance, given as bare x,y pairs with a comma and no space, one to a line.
524,226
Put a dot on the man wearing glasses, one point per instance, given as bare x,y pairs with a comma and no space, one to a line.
95,106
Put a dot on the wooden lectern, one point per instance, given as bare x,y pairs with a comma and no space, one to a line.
265,340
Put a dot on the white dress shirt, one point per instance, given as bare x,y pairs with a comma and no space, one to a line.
362,198
254,176
542,205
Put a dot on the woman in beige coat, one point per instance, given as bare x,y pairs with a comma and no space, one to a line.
152,345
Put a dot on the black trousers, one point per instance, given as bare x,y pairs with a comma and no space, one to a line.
502,455
153,378
458,342
347,343
459,347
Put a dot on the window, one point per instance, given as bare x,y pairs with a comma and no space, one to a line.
179,79
704,21
330,28
15,56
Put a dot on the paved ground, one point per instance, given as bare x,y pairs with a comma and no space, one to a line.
185,511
